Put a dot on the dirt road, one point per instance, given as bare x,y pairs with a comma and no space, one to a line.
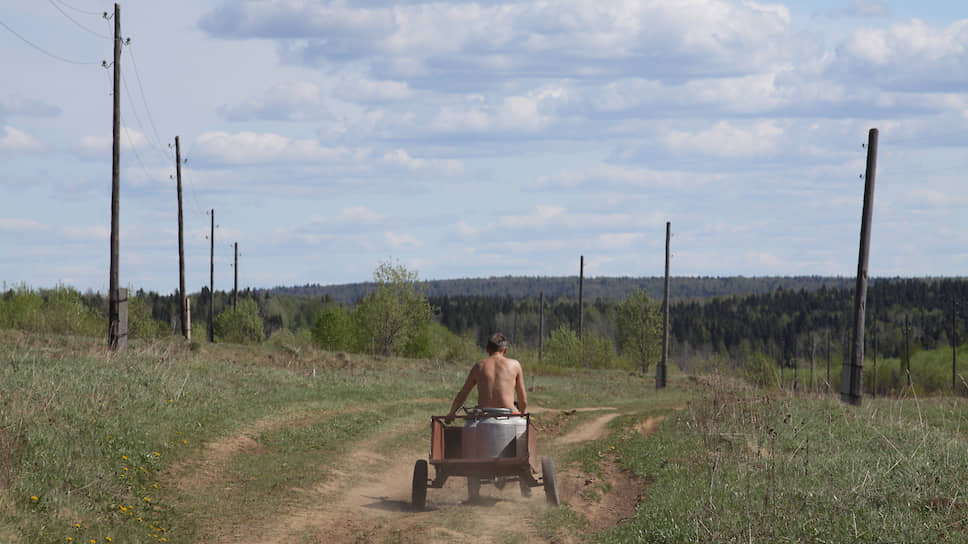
368,497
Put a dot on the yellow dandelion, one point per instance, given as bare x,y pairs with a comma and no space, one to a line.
125,469
70,539
34,498
154,486
77,525
156,453
92,541
147,499
184,441
124,457
108,538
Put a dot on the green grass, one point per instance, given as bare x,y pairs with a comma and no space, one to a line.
91,434
99,438
740,465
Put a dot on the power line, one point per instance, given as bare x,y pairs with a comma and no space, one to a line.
136,154
79,25
79,10
44,51
137,118
144,100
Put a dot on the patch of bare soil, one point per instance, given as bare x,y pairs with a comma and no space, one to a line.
592,430
367,500
207,469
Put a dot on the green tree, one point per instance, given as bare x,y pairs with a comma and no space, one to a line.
563,348
141,324
240,325
639,328
332,330
386,319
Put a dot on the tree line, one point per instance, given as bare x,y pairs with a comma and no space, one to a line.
806,320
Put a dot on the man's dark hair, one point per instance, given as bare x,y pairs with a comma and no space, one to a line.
497,342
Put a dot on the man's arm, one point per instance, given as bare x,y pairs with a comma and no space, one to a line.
462,394
520,390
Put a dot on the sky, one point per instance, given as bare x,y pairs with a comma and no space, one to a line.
497,138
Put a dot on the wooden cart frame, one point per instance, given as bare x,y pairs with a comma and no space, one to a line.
447,447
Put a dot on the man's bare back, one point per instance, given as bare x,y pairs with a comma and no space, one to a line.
498,379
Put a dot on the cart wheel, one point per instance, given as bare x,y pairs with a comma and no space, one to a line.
550,481
473,488
418,496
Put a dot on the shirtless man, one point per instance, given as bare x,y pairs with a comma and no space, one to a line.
497,378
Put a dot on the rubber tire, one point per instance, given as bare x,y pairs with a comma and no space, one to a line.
550,481
418,497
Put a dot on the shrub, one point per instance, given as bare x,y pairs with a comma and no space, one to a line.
333,329
141,324
385,320
240,325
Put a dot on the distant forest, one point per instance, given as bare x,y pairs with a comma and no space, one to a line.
785,318
519,287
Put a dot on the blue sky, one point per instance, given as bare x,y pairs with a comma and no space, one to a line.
483,139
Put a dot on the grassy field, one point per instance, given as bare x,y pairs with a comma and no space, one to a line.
102,447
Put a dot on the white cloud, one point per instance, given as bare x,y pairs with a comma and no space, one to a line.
19,226
255,148
401,241
564,38
84,234
724,139
20,105
909,56
619,240
16,141
359,215
402,159
359,88
292,101
98,146
609,175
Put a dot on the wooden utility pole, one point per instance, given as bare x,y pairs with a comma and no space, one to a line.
211,284
850,387
540,325
235,290
114,314
874,349
660,371
828,361
581,293
907,348
954,347
182,306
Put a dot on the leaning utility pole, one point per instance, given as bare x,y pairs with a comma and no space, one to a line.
954,347
211,284
114,314
235,290
660,371
183,308
540,325
581,289
850,386
907,348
